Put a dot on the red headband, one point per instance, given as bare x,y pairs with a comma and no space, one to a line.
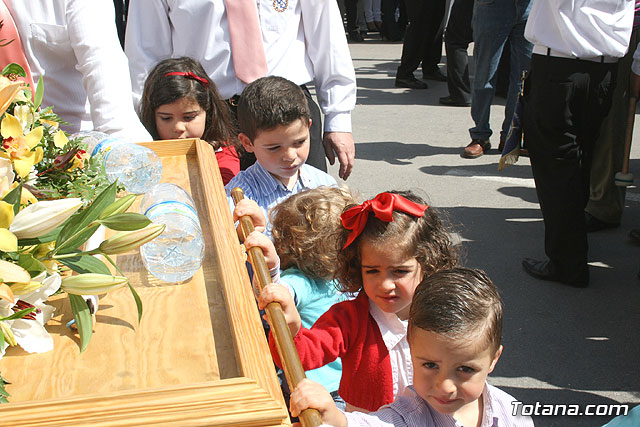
190,75
382,206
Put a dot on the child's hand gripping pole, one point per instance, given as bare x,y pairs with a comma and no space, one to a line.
284,342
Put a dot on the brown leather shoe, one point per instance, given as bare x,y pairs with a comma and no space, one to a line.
476,148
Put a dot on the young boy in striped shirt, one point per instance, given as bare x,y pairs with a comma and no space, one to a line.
274,120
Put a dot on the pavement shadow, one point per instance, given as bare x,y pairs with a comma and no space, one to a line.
398,153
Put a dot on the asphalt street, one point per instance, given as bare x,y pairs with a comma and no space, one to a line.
561,345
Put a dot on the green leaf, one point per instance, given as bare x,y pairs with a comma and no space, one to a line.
86,264
119,206
73,243
81,313
19,314
138,301
77,222
1,346
3,392
127,221
14,68
37,99
13,198
32,265
49,237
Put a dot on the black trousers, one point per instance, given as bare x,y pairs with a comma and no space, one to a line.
566,101
351,10
457,37
420,37
317,157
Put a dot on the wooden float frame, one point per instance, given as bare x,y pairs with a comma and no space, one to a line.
250,398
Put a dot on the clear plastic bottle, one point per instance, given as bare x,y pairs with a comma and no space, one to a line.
136,167
177,253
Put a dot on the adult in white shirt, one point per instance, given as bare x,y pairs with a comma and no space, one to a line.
567,96
304,41
73,46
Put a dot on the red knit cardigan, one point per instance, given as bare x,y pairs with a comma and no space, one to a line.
347,330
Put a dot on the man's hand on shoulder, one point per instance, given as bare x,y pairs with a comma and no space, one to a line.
340,144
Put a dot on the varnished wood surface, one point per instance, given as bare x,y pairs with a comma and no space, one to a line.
205,332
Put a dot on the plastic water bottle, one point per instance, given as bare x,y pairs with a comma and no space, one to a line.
177,253
136,167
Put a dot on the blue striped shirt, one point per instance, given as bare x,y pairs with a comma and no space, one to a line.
410,410
260,186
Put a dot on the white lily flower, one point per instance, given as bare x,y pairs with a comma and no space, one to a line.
40,218
29,331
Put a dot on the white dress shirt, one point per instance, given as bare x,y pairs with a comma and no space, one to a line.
581,28
303,43
74,46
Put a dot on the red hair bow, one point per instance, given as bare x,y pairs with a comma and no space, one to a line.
382,206
190,75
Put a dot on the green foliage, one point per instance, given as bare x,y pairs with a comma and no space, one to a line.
3,391
82,316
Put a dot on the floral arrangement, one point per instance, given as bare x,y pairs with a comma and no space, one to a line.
53,198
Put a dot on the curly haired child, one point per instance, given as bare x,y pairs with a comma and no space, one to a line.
389,244
180,101
305,231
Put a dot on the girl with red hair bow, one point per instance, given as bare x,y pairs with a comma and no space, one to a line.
389,244
180,101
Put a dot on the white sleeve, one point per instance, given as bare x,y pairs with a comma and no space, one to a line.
147,41
104,68
334,76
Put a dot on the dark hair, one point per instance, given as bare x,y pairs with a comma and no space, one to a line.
160,89
270,102
460,304
426,238
305,229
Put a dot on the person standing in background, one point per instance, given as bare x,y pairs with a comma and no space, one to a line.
606,199
567,96
493,24
457,37
302,41
73,45
425,21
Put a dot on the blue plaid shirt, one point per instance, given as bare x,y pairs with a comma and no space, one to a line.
261,187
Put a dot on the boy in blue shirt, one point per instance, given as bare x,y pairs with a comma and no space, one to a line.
274,121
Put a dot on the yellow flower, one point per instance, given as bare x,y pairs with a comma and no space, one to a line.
60,139
20,147
6,176
8,241
6,293
78,160
6,214
8,92
26,198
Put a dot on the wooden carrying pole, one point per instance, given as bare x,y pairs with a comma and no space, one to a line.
284,342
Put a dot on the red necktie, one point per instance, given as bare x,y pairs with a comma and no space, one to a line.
12,52
247,50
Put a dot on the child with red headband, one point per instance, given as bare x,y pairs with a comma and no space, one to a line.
389,244
180,101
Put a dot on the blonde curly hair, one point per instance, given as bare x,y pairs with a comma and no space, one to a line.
307,227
